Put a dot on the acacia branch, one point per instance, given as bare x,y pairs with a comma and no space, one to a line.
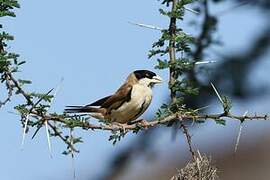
19,88
154,123
9,89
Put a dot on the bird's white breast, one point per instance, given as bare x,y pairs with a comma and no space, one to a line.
141,97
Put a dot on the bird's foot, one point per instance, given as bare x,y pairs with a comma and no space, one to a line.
122,127
144,123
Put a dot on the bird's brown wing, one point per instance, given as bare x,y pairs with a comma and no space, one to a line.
122,95
99,102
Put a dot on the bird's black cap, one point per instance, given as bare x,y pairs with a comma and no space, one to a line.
144,74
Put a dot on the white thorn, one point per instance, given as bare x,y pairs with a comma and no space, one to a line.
46,123
191,10
73,167
146,26
56,91
221,13
219,97
238,137
205,62
245,114
72,154
239,134
24,130
14,113
48,138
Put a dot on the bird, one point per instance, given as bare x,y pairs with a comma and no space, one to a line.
127,104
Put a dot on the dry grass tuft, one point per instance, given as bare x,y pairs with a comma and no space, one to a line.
200,169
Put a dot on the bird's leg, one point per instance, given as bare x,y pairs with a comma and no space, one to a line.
134,122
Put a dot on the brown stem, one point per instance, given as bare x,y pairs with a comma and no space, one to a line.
21,91
172,53
188,137
173,77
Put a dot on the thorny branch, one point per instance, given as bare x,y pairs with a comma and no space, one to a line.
154,123
172,53
173,76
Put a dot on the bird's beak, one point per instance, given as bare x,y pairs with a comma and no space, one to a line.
157,79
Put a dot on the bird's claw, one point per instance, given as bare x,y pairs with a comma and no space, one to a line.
120,126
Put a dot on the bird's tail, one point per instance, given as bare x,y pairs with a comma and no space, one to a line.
82,109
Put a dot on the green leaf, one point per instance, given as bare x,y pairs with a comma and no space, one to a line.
22,81
221,122
162,64
227,104
22,62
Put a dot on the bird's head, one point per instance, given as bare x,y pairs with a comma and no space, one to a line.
147,78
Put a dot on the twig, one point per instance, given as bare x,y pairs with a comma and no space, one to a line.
20,90
188,137
10,90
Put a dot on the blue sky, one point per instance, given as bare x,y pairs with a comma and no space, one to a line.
93,47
